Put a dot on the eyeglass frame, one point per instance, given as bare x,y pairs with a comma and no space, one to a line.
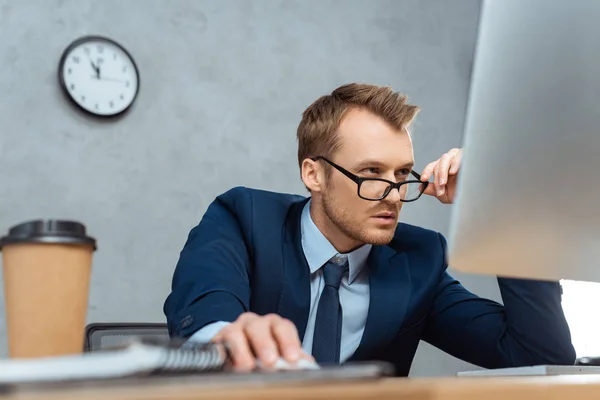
391,185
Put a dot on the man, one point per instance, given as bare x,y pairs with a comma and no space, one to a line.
335,277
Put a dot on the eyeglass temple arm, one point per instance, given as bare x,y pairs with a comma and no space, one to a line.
341,169
416,174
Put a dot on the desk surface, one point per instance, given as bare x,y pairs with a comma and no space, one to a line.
548,387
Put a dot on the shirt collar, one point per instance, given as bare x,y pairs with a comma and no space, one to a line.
318,250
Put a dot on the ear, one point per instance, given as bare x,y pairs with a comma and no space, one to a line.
313,175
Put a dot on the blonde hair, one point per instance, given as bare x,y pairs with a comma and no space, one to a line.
317,131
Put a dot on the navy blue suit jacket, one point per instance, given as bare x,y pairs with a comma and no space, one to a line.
246,255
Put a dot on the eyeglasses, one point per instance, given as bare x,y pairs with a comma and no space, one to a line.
377,189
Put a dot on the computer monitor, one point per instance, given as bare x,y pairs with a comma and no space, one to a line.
528,201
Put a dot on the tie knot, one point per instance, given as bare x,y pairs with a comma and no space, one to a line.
333,273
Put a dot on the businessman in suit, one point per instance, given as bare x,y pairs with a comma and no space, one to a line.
334,277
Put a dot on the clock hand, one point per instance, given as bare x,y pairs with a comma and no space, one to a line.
98,68
95,68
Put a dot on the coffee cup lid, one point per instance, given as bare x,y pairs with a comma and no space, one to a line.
48,231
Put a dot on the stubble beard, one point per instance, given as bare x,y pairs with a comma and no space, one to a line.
342,219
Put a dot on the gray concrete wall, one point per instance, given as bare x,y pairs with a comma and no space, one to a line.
223,84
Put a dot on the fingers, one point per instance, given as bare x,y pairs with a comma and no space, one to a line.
447,165
261,340
456,162
428,171
260,337
235,338
441,174
430,190
286,336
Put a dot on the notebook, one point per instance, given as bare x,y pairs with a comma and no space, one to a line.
138,357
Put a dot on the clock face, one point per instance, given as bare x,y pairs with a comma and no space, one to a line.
99,76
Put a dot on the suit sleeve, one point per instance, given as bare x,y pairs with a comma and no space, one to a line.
211,278
529,329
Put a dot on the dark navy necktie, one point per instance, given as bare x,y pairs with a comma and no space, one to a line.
328,324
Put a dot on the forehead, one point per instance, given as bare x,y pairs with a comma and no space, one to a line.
364,135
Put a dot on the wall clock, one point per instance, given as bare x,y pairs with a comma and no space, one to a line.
99,76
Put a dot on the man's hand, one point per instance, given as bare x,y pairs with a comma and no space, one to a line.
253,338
445,173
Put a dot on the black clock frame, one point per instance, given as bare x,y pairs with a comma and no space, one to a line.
65,89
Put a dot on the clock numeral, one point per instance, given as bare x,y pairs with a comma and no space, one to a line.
96,106
111,104
122,97
114,56
100,48
72,86
87,50
82,98
69,71
76,59
127,83
124,68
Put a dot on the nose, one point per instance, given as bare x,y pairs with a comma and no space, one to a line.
393,196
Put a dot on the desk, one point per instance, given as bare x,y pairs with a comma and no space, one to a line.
549,387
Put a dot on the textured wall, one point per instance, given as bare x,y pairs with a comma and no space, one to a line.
223,84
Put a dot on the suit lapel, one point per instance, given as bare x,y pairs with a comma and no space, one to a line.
390,290
294,302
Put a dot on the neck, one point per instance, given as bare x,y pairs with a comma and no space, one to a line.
338,239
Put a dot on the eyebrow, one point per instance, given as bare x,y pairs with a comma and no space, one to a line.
374,163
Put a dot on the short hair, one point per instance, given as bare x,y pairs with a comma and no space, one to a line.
317,131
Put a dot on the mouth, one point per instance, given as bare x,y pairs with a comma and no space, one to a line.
386,218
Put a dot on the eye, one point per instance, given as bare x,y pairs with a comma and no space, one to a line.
403,172
371,171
